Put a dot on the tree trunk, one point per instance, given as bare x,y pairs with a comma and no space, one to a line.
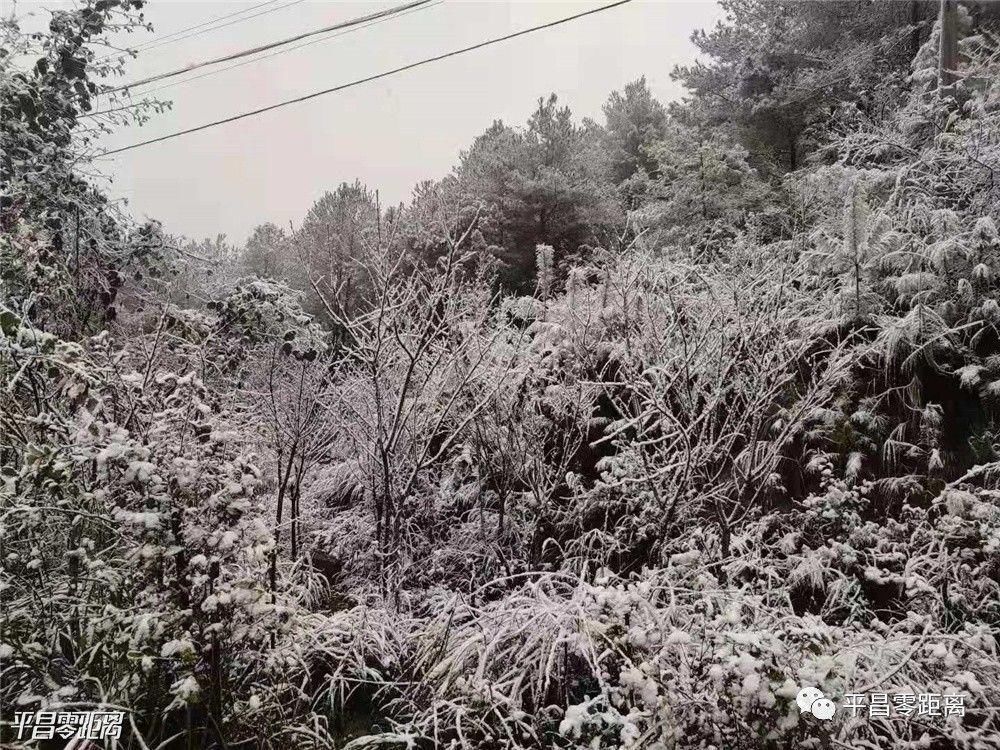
948,49
915,23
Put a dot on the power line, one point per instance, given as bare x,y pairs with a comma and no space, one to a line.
183,33
369,79
430,4
157,43
272,45
209,73
209,22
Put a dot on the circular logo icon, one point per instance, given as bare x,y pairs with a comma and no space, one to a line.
823,708
812,700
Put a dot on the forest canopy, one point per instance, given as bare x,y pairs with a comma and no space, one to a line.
614,436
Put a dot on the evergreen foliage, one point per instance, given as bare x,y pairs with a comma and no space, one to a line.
613,437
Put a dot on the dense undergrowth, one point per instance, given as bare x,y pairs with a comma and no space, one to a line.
727,427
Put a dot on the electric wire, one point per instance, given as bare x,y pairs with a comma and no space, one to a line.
156,43
197,29
276,53
271,45
375,77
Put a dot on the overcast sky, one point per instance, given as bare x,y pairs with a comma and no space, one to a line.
389,134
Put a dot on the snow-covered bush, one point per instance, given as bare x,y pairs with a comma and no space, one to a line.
749,443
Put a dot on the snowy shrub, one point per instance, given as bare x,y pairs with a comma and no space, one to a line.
615,437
